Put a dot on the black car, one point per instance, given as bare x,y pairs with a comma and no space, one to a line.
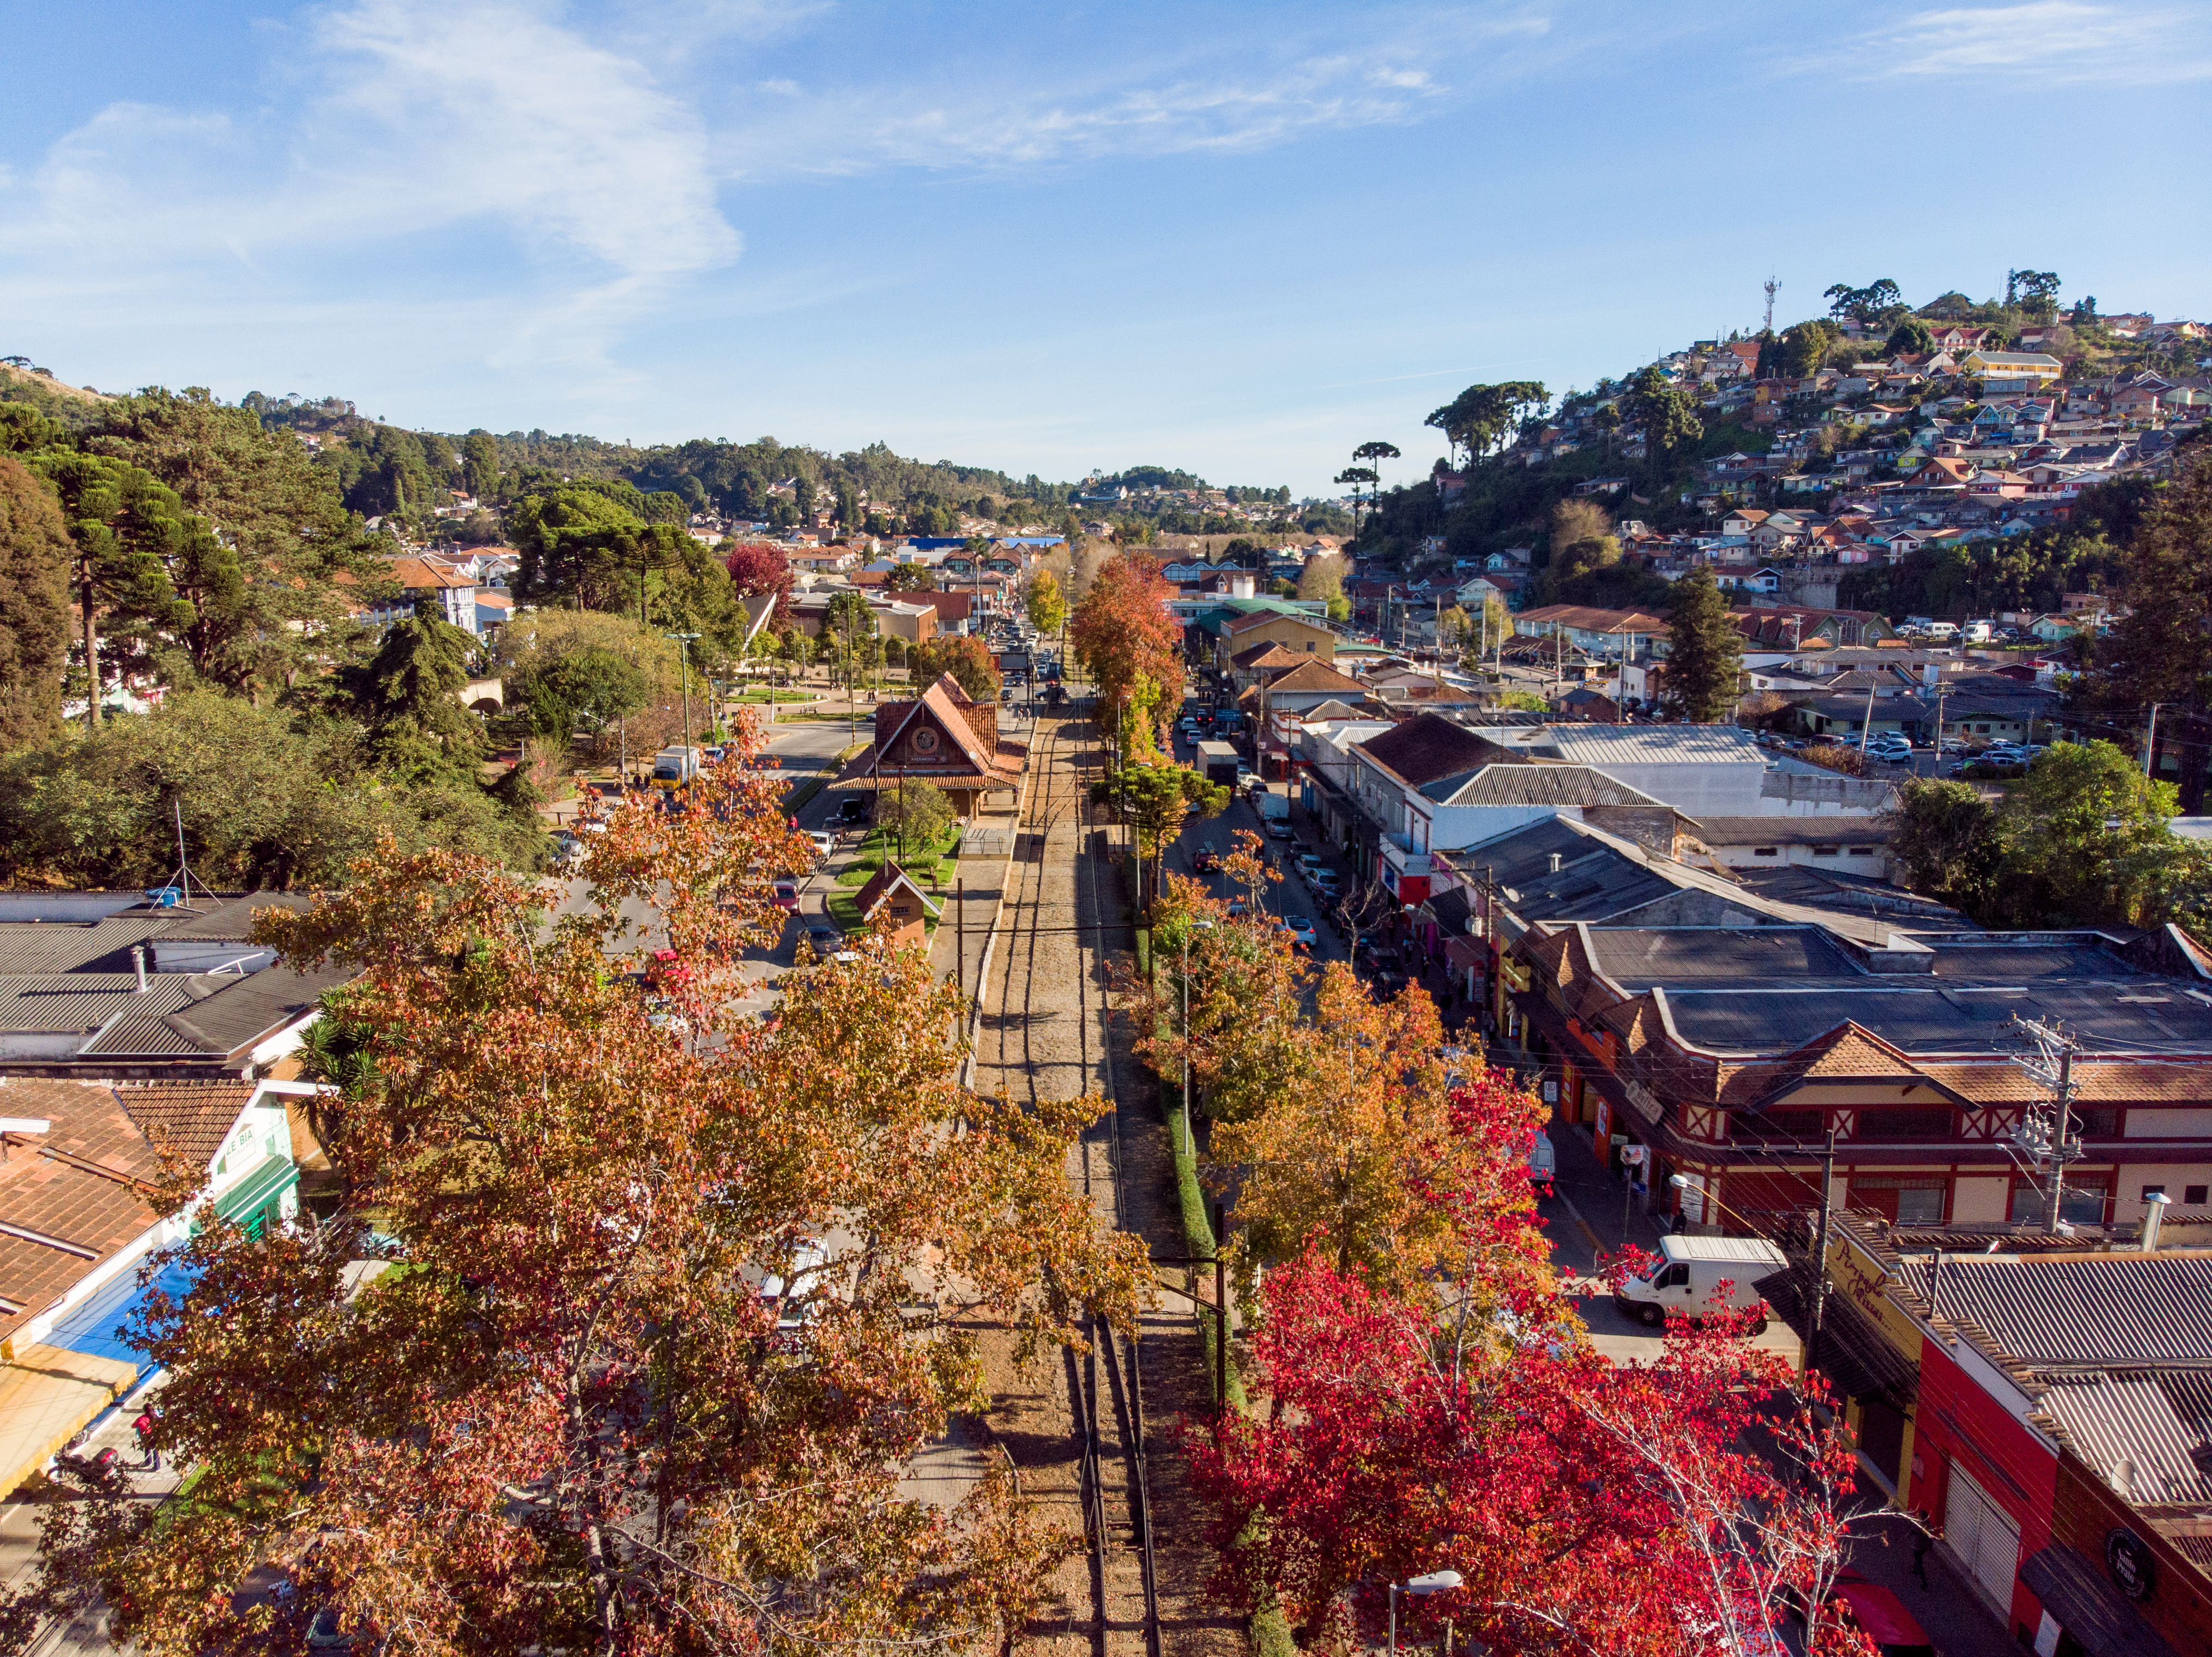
853,808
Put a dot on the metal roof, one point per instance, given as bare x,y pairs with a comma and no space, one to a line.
1636,959
1515,784
1791,831
55,1003
1926,1019
2103,1309
1656,745
2148,1432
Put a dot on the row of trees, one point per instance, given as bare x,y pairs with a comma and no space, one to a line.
1132,649
1423,1397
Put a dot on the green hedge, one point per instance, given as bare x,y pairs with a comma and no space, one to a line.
801,792
1197,1227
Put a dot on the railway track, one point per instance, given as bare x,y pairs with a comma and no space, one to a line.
1056,934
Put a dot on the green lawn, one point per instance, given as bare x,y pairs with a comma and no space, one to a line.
763,693
925,863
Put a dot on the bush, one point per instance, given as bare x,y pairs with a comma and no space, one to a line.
1850,761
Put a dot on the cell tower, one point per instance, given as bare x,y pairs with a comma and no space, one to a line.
1772,284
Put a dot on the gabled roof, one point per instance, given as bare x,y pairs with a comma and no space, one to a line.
945,712
1515,784
1267,654
1427,747
1312,674
886,880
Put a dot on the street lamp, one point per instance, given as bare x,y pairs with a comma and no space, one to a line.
1432,1582
1196,926
684,651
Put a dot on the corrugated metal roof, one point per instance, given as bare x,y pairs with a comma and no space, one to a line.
2147,1432
55,1002
29,946
1656,745
1636,959
2117,1309
1517,784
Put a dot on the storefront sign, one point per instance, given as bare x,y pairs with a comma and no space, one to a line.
1604,1128
2128,1557
1641,1100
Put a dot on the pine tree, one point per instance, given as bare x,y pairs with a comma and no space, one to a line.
1704,652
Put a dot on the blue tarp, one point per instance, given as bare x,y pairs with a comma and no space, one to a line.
95,1327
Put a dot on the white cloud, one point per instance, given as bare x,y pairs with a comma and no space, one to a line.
411,122
1226,96
2050,41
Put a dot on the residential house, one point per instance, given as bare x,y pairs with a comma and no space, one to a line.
1852,845
2012,370
1274,624
1625,634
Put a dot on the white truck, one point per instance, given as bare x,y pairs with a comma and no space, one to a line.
1691,1269
1270,804
1980,632
675,767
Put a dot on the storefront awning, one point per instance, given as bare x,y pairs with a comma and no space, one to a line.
271,1177
1855,1355
46,1395
2089,1608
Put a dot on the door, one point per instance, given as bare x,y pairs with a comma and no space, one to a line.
1981,1536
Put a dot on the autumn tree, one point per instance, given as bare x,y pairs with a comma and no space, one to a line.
1045,604
966,657
682,1293
1673,1509
1130,645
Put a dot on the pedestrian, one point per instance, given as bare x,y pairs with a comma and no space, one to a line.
1921,1544
150,1459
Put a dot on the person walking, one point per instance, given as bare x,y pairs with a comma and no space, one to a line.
1921,1544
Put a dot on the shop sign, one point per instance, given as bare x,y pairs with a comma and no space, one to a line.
2129,1559
1693,1199
1642,1100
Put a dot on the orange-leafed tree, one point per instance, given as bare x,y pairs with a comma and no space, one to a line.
675,1293
1131,647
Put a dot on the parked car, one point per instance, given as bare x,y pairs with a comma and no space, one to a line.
1279,830
785,894
1238,905
1302,935
824,841
853,810
824,941
1205,863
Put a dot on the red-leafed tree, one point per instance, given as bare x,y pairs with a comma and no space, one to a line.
1677,1509
1131,646
756,567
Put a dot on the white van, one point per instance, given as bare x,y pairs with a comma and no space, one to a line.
1979,632
1942,630
1690,1272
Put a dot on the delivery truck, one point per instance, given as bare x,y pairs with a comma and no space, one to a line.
676,768
1689,1275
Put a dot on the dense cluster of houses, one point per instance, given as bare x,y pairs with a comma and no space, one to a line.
134,1027
1690,939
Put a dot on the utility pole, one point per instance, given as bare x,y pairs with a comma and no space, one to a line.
2150,739
683,654
1821,1256
1866,725
2046,1131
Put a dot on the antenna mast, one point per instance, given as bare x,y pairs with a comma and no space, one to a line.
1772,283
178,893
2046,1133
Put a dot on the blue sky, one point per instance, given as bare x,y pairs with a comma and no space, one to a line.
1240,239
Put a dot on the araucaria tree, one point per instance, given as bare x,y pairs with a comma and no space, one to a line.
1129,644
1705,652
679,1294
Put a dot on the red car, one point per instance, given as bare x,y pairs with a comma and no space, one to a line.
1205,862
787,894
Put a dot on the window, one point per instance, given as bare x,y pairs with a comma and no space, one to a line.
1788,1124
2081,1204
1902,1199
2097,1125
2149,1191
1766,851
1826,852
1861,851
2193,1195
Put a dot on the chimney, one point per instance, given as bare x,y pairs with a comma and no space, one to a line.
1929,673
2153,1220
1557,860
138,961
